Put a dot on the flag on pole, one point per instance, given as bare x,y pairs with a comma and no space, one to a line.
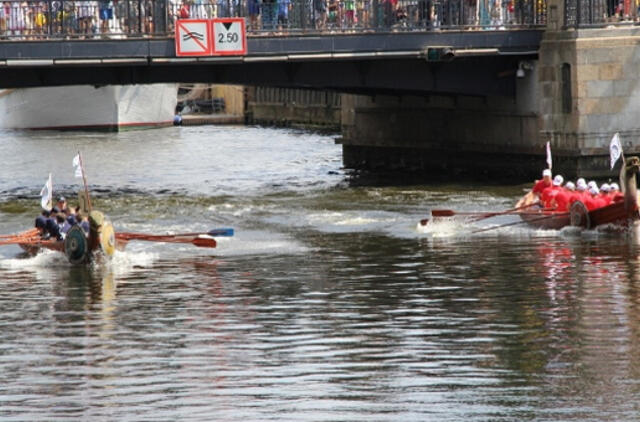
77,166
47,195
549,155
615,149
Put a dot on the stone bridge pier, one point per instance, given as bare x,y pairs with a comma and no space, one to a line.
581,88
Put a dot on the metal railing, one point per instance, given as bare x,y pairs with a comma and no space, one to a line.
89,19
597,13
70,19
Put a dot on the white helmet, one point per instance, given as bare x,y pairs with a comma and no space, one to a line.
557,181
570,186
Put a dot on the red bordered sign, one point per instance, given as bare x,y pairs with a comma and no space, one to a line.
229,37
193,37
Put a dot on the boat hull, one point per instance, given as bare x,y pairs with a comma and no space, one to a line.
87,107
578,216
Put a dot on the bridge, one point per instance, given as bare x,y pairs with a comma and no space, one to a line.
429,78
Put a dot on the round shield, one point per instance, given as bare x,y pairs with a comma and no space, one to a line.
107,239
76,246
579,215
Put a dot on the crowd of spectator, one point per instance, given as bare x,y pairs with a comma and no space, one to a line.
35,19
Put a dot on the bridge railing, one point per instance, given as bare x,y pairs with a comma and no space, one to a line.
29,19
596,13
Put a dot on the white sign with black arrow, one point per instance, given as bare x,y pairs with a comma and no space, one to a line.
229,36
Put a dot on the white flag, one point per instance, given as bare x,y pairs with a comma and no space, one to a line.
47,195
549,154
615,149
77,166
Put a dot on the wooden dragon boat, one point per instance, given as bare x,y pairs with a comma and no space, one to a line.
80,247
102,240
621,213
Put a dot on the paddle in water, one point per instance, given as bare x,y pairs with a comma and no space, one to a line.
479,215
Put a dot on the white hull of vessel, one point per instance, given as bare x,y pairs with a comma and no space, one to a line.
109,107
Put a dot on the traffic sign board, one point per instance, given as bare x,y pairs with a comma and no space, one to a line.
229,36
193,37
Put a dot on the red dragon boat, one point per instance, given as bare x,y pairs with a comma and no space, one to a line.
621,213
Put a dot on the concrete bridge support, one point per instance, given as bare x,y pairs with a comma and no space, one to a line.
584,87
444,136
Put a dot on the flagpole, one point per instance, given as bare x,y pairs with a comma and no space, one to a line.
84,179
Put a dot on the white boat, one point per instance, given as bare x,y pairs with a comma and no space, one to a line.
108,107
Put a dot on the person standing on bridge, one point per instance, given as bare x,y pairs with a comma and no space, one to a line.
320,10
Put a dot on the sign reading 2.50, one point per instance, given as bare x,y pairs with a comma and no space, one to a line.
229,36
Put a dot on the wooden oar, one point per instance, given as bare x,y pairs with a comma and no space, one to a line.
480,215
202,242
509,211
18,240
560,214
200,239
30,232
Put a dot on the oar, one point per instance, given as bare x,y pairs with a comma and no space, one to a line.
227,232
29,232
509,211
562,214
202,242
480,215
18,240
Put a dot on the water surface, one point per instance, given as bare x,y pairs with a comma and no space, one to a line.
329,303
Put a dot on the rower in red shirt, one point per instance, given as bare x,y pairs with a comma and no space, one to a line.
604,194
543,183
615,194
565,197
549,193
594,201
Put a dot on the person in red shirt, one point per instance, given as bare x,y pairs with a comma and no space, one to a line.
542,184
565,197
604,194
594,201
615,194
549,193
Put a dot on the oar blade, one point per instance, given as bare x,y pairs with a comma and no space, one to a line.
204,242
226,232
442,213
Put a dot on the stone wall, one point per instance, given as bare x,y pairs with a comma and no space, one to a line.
286,106
603,92
445,136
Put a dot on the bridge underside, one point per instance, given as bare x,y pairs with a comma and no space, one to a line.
482,62
490,76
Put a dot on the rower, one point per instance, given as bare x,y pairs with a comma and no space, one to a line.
604,193
614,193
41,224
593,201
549,193
543,183
565,197
62,204
582,191
51,226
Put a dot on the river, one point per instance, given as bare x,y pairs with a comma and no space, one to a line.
329,303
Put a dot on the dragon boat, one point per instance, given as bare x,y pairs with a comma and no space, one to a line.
621,213
102,240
